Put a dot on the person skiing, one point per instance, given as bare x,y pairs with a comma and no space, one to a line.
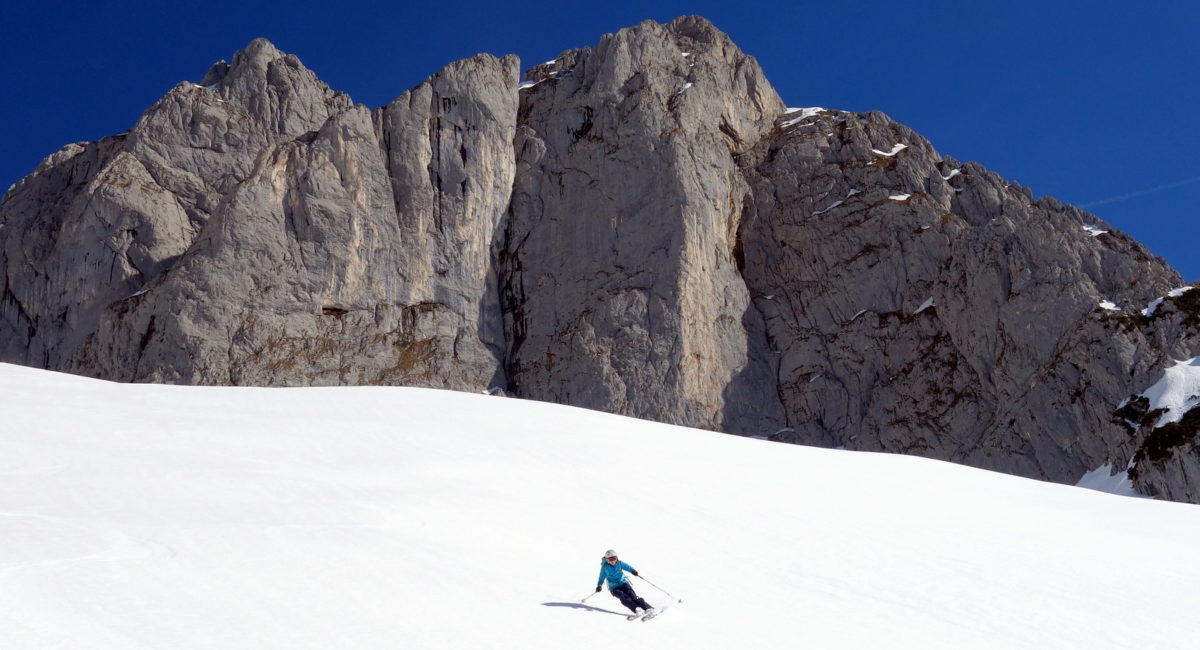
613,570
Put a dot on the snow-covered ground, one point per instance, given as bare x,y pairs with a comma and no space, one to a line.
153,517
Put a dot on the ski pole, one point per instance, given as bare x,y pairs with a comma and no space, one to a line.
589,596
678,600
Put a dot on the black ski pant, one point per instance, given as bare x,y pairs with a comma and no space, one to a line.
624,593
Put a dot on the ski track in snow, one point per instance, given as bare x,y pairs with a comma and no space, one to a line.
383,518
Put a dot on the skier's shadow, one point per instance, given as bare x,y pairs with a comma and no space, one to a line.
588,608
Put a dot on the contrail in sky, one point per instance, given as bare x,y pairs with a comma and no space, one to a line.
1152,190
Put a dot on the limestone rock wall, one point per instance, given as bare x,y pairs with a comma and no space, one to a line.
621,291
261,229
913,299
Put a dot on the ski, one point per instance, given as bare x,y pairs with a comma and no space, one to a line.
646,616
653,613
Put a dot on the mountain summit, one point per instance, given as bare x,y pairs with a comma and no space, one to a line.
641,227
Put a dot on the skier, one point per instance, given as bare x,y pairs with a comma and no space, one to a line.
613,570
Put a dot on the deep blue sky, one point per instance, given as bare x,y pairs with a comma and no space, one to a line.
1085,101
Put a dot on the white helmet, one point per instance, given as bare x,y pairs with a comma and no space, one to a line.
610,553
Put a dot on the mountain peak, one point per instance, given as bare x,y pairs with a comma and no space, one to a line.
697,28
259,49
258,54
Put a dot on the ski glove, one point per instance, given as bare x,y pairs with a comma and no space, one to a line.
597,588
635,573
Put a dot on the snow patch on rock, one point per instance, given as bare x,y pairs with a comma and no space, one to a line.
1177,392
1157,302
804,113
1103,479
894,150
831,206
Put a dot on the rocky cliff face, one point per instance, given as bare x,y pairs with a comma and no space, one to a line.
620,286
260,229
912,299
639,227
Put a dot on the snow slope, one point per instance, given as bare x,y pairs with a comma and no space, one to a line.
150,517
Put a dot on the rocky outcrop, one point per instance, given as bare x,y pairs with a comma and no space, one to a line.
621,291
98,222
262,230
1167,435
913,299
640,227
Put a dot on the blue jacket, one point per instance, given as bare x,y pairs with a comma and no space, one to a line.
614,574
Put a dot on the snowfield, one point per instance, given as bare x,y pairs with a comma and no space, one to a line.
156,517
